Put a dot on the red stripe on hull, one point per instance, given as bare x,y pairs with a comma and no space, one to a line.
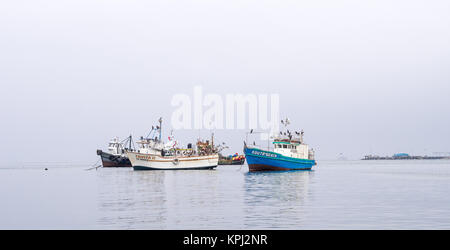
261,167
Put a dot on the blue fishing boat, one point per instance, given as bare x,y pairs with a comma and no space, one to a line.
289,153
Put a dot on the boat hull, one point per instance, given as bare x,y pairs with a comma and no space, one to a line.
113,161
156,162
261,160
231,162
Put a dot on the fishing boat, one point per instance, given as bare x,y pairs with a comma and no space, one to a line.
116,155
235,159
154,154
289,153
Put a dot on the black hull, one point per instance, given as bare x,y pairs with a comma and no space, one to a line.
113,161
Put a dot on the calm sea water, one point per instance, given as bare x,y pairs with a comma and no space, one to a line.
336,195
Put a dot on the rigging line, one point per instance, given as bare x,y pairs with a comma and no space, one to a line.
94,165
132,143
150,133
240,167
124,141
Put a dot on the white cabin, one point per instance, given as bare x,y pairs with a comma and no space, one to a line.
292,147
150,146
115,147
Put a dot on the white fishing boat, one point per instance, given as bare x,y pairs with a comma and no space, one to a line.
155,162
154,154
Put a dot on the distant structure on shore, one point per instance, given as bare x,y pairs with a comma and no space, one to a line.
404,156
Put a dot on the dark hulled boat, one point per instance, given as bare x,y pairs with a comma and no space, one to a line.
111,161
116,155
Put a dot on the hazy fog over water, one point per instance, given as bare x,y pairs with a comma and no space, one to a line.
359,77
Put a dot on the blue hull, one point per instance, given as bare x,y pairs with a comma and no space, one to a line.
260,160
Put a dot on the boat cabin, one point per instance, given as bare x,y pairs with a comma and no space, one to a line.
150,146
115,147
292,147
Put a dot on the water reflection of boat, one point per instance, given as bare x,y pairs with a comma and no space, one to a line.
276,199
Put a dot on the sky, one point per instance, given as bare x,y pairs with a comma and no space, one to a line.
360,77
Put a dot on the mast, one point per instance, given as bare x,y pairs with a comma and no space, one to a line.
130,143
160,128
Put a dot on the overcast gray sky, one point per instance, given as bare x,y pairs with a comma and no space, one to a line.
359,77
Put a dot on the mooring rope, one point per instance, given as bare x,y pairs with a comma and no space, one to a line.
94,166
240,167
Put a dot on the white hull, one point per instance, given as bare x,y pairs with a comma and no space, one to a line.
156,162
